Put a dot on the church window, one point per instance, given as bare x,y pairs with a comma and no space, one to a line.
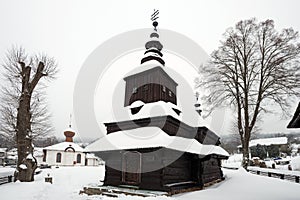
78,159
164,88
58,157
170,93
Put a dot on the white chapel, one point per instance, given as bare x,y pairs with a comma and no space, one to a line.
68,153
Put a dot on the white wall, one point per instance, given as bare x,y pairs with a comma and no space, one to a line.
92,162
67,158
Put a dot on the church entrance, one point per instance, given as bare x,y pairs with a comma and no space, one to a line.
131,168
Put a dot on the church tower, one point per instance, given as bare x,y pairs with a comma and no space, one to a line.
151,83
154,149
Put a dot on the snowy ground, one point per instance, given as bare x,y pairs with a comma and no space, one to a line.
235,161
68,181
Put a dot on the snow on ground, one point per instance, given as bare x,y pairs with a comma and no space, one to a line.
240,184
234,161
68,181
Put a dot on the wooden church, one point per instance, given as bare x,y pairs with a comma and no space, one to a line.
154,149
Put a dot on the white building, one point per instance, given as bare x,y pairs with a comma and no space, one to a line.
92,160
68,153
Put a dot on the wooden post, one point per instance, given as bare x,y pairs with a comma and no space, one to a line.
9,179
48,179
281,176
269,174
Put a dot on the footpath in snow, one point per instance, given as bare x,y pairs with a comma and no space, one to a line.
68,181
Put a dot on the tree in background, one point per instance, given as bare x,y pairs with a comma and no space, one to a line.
254,68
273,151
24,114
261,151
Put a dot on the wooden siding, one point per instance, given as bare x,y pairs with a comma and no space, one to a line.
211,169
148,86
188,170
178,171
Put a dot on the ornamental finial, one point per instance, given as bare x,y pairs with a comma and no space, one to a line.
154,17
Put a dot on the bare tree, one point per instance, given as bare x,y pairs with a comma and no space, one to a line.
254,68
24,114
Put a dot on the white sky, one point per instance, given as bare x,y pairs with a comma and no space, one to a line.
71,30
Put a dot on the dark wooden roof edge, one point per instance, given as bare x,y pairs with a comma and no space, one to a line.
159,118
137,120
168,118
201,156
295,122
152,69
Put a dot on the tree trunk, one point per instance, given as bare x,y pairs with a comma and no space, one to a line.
26,162
246,160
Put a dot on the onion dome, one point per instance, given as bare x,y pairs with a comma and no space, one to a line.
154,47
69,133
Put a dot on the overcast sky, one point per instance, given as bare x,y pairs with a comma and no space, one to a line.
70,30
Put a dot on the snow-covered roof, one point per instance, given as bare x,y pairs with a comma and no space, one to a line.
64,145
13,150
38,152
12,157
91,156
145,67
267,141
151,137
159,108
69,130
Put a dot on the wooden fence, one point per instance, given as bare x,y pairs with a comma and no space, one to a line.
288,177
6,179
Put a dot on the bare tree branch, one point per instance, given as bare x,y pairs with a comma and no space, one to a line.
24,115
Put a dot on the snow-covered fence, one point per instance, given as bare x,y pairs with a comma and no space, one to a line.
6,179
283,176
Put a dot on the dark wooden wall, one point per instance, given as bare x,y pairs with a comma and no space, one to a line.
188,170
147,86
178,171
113,162
211,169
